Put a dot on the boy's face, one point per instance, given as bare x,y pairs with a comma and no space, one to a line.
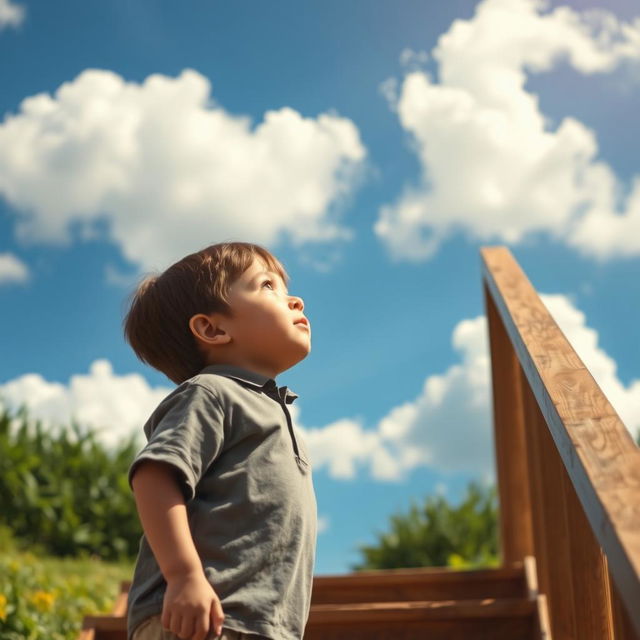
266,332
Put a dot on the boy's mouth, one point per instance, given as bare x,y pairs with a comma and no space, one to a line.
302,321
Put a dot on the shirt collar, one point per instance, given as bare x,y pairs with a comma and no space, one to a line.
253,378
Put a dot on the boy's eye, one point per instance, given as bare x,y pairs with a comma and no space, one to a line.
271,283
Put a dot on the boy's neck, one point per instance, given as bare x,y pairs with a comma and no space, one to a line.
263,370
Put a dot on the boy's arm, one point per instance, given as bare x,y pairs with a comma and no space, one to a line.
190,605
163,515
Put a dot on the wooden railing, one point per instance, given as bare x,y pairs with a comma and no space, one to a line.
568,470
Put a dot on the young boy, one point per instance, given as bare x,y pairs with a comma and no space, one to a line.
223,486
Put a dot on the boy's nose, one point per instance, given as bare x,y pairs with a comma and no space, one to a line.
296,302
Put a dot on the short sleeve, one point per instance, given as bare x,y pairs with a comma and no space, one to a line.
188,434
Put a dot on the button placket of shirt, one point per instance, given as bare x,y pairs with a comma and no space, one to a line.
279,394
302,463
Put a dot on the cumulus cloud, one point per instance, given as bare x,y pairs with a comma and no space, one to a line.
12,269
492,165
345,446
447,427
11,15
116,405
165,169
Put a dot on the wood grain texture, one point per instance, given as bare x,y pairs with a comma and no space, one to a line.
542,624
554,554
590,580
516,535
419,584
600,457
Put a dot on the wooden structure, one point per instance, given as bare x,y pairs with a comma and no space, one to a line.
568,477
568,470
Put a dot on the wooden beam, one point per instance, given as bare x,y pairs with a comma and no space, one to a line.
516,529
590,580
601,459
553,548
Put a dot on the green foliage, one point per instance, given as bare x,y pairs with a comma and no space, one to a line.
438,534
45,598
66,493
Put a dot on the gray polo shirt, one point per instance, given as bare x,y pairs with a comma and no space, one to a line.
247,482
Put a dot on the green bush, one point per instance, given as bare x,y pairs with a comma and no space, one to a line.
66,493
438,534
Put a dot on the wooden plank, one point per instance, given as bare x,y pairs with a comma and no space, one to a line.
515,628
435,574
120,606
542,629
534,465
598,452
420,610
543,623
485,619
554,552
105,623
622,627
516,529
419,584
590,584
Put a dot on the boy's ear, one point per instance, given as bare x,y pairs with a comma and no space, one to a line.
207,329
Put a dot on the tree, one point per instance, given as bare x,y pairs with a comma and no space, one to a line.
438,534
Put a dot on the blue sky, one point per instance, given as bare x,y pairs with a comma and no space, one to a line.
374,147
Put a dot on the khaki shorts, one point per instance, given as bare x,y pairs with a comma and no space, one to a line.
152,629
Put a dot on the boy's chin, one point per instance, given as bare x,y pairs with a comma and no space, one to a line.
302,353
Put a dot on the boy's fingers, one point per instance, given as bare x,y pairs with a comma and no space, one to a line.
186,628
202,627
165,619
217,616
176,622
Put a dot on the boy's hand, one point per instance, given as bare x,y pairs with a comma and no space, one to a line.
191,607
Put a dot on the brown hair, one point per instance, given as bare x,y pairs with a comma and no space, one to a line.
157,323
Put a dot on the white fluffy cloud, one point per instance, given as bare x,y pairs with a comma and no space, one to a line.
11,15
12,269
116,405
344,446
169,170
492,165
448,426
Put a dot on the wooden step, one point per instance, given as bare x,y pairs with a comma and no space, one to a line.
397,604
481,619
423,583
420,584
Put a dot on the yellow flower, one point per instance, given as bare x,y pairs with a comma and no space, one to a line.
3,607
43,600
456,561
